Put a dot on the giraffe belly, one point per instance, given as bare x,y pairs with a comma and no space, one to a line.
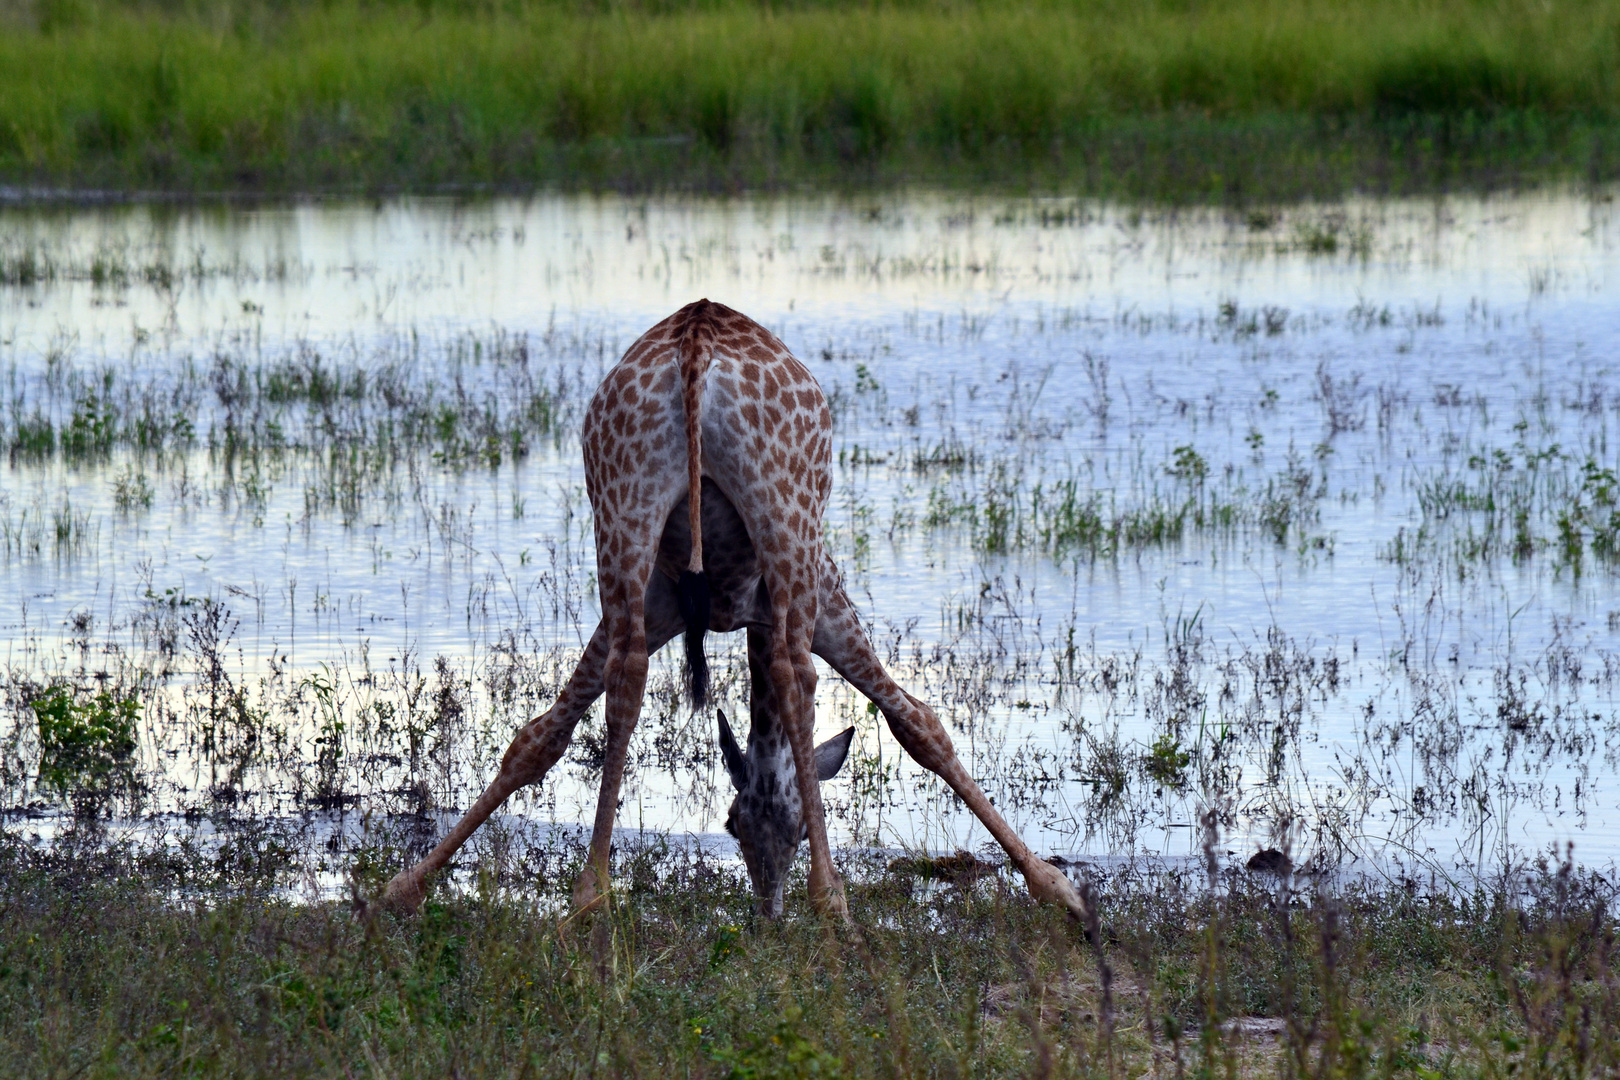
735,596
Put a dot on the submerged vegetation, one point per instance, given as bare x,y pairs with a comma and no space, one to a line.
396,517
1248,100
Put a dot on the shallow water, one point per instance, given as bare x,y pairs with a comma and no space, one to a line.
1327,636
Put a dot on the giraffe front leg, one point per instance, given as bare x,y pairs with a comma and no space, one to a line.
842,642
624,596
538,745
534,750
627,681
825,887
531,755
792,675
920,734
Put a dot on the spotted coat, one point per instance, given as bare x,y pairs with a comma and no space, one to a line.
710,402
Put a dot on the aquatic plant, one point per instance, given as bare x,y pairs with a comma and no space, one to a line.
86,743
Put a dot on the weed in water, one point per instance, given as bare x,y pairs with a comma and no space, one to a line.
86,744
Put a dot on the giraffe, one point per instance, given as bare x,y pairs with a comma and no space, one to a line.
708,465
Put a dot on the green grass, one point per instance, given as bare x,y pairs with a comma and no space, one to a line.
1251,98
113,964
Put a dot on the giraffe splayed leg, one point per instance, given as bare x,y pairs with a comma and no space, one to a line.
708,464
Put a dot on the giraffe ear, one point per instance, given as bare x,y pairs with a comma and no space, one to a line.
736,764
830,755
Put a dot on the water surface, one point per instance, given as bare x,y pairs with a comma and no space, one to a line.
1303,515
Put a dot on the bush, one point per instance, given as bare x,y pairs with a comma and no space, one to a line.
86,746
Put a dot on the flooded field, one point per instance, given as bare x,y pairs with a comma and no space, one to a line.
1307,517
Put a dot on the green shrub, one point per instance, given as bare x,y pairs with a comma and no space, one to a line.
86,744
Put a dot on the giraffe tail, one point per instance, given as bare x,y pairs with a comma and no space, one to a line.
693,589
696,341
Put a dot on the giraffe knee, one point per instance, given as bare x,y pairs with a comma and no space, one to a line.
520,769
782,673
534,750
804,665
923,737
622,670
925,713
902,735
627,657
633,666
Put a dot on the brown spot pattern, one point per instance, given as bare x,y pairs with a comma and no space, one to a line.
755,497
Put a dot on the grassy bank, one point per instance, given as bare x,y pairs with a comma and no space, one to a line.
1252,98
109,968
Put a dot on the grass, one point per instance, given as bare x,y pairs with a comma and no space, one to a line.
355,421
119,265
1256,99
113,963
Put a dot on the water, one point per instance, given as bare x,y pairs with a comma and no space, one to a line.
1314,502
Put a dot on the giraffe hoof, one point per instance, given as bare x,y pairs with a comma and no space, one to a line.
403,895
585,904
588,897
581,908
831,903
1049,885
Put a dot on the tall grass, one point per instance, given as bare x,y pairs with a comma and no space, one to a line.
251,95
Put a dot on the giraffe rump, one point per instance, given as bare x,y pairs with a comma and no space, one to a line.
695,343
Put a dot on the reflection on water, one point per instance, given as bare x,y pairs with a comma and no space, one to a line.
1310,516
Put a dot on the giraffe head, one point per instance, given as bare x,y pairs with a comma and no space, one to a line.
766,815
